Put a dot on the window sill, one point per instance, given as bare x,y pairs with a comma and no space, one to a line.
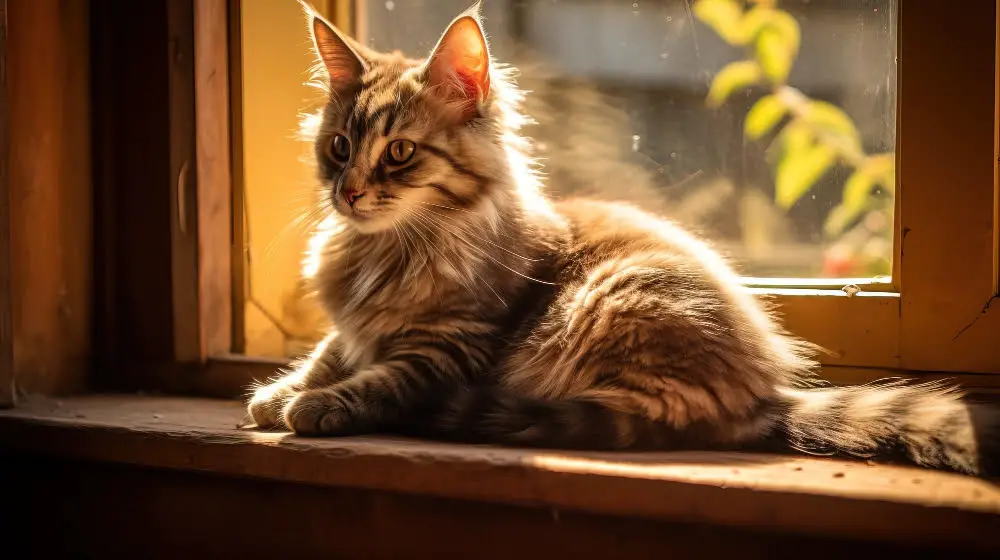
801,495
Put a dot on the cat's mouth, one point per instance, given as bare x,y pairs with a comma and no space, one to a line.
366,221
355,213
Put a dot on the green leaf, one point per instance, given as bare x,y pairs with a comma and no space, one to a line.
883,168
762,117
794,138
733,76
835,122
753,21
857,194
856,190
723,16
855,201
837,221
777,45
798,171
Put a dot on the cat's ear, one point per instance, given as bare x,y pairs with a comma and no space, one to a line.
459,66
341,57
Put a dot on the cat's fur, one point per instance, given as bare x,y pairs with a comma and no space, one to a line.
470,307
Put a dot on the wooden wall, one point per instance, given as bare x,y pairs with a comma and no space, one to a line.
6,336
48,89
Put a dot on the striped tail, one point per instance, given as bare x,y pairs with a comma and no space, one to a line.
928,424
497,416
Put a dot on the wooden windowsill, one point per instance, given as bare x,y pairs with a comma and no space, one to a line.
788,494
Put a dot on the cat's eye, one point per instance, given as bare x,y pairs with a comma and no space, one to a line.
399,152
339,148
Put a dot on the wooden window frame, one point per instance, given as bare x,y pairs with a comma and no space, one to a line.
936,315
6,335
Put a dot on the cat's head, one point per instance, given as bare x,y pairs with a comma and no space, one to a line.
400,137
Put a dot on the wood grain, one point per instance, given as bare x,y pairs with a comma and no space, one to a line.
156,514
798,495
860,331
187,341
238,249
134,181
6,332
211,74
48,69
949,317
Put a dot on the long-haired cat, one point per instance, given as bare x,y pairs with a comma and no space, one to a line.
470,307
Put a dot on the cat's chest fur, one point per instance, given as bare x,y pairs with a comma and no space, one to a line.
376,294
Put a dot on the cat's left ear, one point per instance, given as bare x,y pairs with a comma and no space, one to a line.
459,66
341,56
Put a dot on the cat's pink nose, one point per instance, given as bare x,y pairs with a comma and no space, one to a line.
352,196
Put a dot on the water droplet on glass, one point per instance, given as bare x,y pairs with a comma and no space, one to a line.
664,56
635,4
669,18
390,5
635,142
673,155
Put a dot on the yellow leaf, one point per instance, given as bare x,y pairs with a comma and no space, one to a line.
723,16
795,138
856,190
837,220
836,123
798,171
883,168
753,21
855,201
733,76
857,197
762,117
786,25
777,45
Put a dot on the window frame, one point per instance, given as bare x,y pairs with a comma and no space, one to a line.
6,340
931,320
911,324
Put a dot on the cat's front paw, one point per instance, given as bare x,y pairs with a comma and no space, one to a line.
267,403
320,413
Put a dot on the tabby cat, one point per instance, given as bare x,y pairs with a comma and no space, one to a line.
470,307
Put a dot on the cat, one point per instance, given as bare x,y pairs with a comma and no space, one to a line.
470,307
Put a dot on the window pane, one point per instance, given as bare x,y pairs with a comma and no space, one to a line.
619,89
768,127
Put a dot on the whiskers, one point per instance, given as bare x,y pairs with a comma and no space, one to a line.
444,247
461,232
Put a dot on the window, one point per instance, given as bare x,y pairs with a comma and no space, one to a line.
663,105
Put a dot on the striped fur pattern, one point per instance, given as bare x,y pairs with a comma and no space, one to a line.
470,307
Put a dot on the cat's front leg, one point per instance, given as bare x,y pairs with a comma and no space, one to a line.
381,394
321,369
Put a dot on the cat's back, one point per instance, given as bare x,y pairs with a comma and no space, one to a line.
603,229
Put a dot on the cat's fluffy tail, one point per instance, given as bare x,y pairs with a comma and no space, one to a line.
495,415
929,424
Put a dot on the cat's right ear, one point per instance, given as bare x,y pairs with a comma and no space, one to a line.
341,59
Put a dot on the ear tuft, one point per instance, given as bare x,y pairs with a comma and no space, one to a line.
459,66
344,66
